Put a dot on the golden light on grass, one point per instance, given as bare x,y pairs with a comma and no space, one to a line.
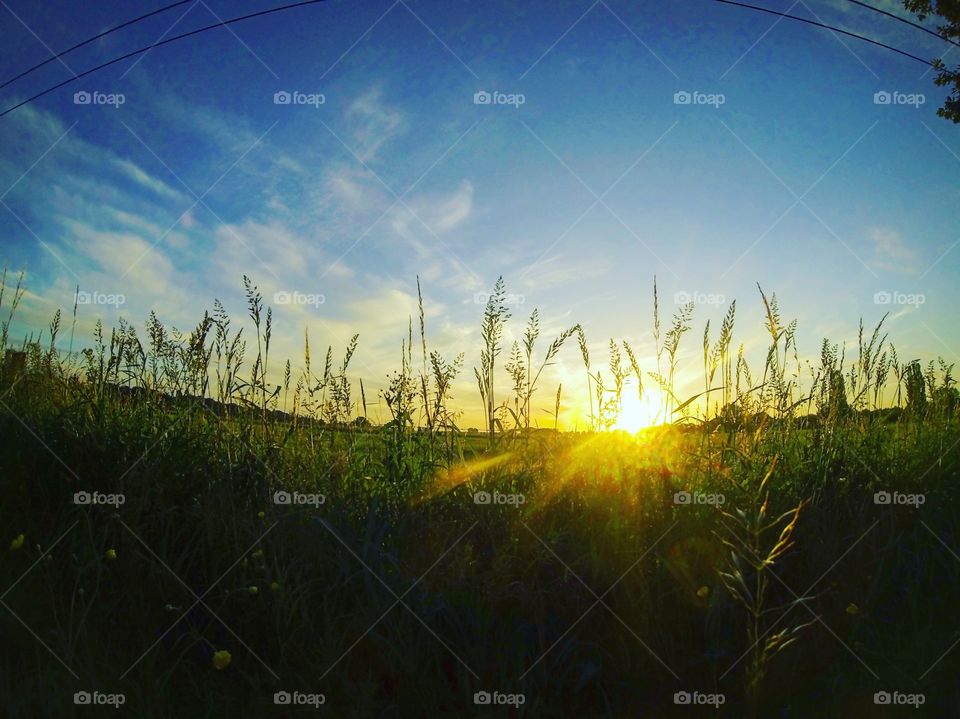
445,481
639,412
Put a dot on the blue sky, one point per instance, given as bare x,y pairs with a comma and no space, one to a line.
598,181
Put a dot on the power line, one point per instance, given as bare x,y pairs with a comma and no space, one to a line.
303,3
820,24
89,40
905,21
169,40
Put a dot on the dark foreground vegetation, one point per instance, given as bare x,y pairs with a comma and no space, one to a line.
189,537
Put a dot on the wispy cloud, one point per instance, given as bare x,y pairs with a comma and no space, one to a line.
258,248
350,187
891,251
555,272
373,122
135,173
455,209
111,255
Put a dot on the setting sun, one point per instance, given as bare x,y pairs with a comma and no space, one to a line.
638,412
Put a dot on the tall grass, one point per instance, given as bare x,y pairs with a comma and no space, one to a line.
196,434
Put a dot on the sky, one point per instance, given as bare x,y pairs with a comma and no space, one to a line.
578,149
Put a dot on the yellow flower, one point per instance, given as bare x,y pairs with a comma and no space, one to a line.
261,514
253,589
221,659
17,543
852,609
274,586
257,554
111,554
703,592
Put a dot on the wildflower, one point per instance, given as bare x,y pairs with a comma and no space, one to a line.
261,514
703,592
853,609
257,554
274,586
111,554
253,589
221,659
17,543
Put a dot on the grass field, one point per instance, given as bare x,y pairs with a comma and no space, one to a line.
188,538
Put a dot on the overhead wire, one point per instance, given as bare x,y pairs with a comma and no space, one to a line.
798,18
918,26
151,46
89,40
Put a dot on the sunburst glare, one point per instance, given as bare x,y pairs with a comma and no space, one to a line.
639,411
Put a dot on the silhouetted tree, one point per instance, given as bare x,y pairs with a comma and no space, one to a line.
948,10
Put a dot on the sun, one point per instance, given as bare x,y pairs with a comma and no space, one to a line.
638,413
